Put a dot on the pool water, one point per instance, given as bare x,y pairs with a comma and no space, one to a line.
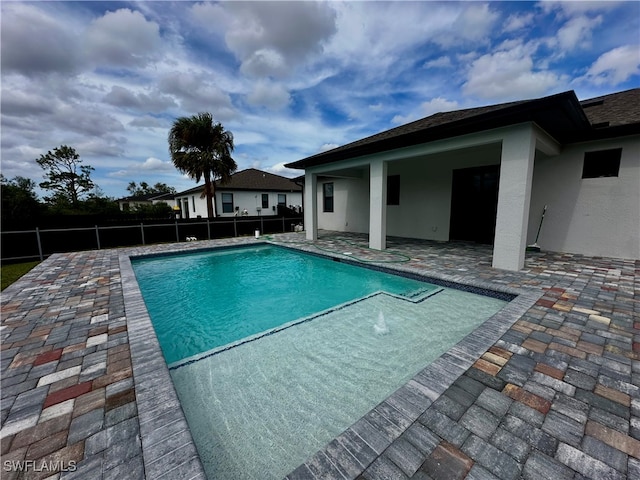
258,408
200,301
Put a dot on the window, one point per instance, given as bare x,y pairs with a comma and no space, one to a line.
393,190
282,199
193,202
327,197
602,163
265,200
227,203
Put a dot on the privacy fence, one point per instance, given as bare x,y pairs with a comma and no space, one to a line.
39,243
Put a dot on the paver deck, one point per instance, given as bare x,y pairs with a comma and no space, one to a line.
549,388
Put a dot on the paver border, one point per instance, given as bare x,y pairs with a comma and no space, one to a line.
159,411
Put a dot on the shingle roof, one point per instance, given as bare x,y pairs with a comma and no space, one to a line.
616,109
562,115
147,197
253,179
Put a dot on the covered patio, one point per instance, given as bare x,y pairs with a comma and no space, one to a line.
549,390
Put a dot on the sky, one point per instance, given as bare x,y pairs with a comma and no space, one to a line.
287,79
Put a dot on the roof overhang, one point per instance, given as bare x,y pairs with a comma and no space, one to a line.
560,116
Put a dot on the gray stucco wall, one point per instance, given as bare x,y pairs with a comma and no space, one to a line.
591,216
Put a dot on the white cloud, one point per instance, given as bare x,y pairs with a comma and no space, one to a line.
435,105
270,38
197,93
440,62
125,98
573,7
615,66
265,62
152,163
147,121
328,146
473,24
508,75
518,21
280,169
123,38
34,42
271,95
149,166
576,33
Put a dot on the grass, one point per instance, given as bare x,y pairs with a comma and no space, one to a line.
12,272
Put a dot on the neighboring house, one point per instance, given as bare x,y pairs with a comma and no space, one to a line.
249,192
127,204
485,174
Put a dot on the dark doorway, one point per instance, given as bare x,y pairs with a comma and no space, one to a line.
474,203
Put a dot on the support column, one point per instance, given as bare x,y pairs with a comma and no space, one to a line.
378,205
311,205
514,196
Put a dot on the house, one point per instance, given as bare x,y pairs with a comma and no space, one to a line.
127,204
485,174
250,192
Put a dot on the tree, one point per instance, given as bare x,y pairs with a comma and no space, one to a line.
63,179
144,189
19,199
202,149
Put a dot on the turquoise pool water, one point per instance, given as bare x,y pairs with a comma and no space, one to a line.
258,409
200,301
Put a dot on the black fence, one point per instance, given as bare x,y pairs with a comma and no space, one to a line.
39,243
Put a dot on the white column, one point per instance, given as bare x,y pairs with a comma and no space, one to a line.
311,205
378,205
514,196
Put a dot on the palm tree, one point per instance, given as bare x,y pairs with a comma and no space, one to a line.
202,149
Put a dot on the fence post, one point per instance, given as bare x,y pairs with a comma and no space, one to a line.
235,227
208,229
261,226
98,237
142,232
177,233
39,244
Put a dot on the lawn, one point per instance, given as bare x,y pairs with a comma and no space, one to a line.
12,272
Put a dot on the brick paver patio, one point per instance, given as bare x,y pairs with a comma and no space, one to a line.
550,388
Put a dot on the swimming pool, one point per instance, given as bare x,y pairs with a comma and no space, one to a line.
261,408
225,295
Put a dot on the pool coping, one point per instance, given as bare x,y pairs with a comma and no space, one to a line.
160,412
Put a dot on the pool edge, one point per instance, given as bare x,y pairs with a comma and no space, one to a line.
159,409
159,406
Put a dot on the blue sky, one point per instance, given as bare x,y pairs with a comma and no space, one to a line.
288,79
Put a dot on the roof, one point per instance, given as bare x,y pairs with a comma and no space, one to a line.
149,197
614,110
253,179
562,116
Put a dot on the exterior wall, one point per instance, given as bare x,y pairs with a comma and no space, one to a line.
596,217
425,191
350,205
249,200
197,206
425,195
252,202
591,216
